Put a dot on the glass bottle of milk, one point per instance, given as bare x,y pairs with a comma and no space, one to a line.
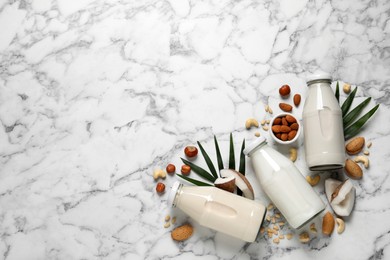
323,126
219,210
284,184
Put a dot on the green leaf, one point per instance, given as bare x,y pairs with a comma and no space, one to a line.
200,171
242,159
348,119
219,157
354,129
232,161
193,181
337,93
348,102
208,161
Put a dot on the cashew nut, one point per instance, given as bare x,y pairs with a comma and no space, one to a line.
347,88
363,159
159,174
251,122
293,154
257,134
340,225
313,180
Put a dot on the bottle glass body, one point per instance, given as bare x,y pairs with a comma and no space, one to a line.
323,128
285,186
221,210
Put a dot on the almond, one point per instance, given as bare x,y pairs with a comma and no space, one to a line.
277,121
292,134
284,137
276,128
294,126
182,233
328,224
285,129
297,99
291,119
355,145
285,107
284,121
353,170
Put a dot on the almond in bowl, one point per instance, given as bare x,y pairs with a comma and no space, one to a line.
285,128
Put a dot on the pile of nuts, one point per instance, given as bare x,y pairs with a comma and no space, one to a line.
190,152
354,147
284,91
285,128
276,229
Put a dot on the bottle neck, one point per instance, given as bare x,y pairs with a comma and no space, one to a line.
177,195
312,82
260,146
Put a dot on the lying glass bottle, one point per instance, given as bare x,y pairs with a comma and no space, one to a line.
219,210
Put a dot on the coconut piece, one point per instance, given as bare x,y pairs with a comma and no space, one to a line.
227,184
341,196
241,182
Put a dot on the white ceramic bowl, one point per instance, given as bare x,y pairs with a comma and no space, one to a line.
279,140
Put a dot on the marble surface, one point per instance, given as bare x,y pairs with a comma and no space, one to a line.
94,95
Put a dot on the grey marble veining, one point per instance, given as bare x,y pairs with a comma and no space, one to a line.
95,95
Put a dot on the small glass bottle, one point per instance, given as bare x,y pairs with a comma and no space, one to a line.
219,210
284,184
323,126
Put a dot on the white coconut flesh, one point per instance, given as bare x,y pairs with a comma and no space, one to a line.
241,182
344,201
227,184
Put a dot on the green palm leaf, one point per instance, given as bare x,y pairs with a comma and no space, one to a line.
337,93
241,168
208,161
193,181
352,130
348,102
200,171
219,157
232,161
348,119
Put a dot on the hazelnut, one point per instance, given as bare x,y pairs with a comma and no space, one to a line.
170,168
191,151
160,187
185,169
284,90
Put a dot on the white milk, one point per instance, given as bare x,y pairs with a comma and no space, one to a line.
219,210
284,184
323,126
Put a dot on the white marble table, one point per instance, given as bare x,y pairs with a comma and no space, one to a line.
94,95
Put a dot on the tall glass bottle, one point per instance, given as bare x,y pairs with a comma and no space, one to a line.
284,184
219,210
323,126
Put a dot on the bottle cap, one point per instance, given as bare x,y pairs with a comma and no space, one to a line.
254,144
172,193
318,75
